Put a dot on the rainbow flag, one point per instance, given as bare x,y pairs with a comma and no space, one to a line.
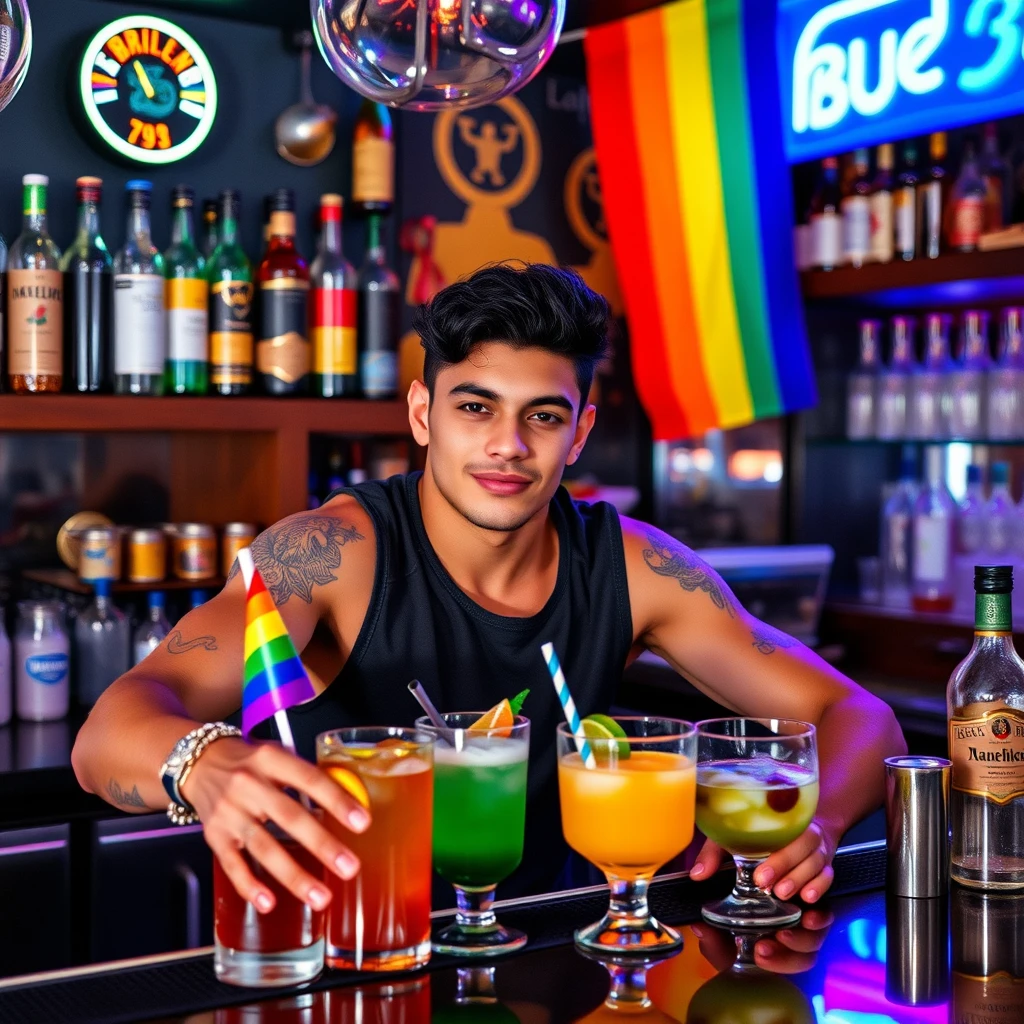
687,127
275,678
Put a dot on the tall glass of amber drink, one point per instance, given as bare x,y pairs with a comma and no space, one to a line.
629,813
380,920
757,791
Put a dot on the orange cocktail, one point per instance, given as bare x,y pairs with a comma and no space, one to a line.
380,920
628,813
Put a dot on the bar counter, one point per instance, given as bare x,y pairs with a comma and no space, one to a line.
862,957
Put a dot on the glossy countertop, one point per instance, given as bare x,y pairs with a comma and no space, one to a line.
861,957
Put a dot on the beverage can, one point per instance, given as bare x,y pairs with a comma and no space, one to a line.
147,556
99,556
236,537
195,551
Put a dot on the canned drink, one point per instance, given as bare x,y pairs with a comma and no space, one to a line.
99,556
195,551
236,537
69,536
147,556
917,825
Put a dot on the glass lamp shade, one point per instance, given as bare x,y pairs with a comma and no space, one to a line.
436,54
15,47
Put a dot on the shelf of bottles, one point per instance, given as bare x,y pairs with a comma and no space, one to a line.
911,223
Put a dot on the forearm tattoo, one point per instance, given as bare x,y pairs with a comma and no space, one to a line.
299,554
693,573
123,799
768,639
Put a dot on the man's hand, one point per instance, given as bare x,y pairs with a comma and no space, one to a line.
804,867
789,951
237,786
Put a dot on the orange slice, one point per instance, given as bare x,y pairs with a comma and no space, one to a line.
499,720
351,783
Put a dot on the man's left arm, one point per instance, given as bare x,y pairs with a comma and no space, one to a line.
684,611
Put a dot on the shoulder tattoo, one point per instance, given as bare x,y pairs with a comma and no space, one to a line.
692,573
299,554
768,639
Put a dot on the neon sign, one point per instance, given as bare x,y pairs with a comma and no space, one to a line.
857,72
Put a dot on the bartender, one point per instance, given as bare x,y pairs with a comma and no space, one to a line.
455,576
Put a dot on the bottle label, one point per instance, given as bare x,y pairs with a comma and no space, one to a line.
35,322
997,999
379,373
903,215
283,348
333,315
968,221
282,222
856,226
987,751
992,613
881,227
826,239
231,332
931,549
140,340
373,171
48,669
187,302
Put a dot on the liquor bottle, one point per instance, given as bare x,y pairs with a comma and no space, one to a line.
101,645
35,299
985,708
268,208
373,160
1000,516
332,309
881,205
153,630
969,380
826,225
994,172
930,395
933,197
856,210
140,328
862,384
282,353
379,319
186,295
897,529
896,381
934,518
1006,380
988,957
87,267
970,536
904,204
209,227
229,276
967,210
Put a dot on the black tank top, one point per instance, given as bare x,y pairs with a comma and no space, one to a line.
420,625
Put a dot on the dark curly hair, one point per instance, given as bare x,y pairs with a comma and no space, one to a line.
526,305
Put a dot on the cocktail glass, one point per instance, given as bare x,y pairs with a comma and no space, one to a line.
284,947
380,920
628,815
479,820
627,992
757,791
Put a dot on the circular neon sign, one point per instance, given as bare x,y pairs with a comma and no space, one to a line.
148,89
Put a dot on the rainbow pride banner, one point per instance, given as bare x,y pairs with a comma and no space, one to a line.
275,678
697,196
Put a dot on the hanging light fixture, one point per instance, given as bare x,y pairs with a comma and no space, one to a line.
15,47
436,54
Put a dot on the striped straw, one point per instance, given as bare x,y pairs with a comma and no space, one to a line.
572,716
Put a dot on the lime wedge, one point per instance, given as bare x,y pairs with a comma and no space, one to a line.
602,732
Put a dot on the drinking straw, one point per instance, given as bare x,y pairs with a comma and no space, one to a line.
451,736
572,716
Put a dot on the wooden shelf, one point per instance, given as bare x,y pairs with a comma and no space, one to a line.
115,413
65,579
952,269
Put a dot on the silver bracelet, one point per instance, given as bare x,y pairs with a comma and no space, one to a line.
179,764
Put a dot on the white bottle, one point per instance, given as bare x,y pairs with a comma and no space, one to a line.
101,645
1000,516
152,631
970,538
862,384
1006,381
6,693
969,380
895,382
930,398
897,523
932,587
42,661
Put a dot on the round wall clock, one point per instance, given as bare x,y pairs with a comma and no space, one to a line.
148,89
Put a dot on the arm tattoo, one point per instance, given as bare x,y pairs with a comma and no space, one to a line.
175,645
299,554
767,639
693,573
123,799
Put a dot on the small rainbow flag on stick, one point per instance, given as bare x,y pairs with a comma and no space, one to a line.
275,678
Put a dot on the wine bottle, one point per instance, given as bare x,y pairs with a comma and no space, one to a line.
881,205
826,225
229,275
187,298
856,210
904,204
967,212
209,227
379,319
282,353
933,197
87,266
373,160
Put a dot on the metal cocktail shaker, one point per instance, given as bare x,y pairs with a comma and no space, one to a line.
917,825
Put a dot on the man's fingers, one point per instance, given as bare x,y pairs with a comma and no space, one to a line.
274,859
771,956
816,920
708,860
801,940
789,858
817,886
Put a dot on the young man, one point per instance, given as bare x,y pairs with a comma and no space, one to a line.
456,577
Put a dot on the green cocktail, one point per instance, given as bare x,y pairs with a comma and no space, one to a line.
479,820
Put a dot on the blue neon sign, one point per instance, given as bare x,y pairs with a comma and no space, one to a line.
859,72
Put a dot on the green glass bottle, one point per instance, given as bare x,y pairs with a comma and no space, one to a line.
229,275
186,300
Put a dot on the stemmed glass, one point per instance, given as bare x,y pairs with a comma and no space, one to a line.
629,814
757,790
